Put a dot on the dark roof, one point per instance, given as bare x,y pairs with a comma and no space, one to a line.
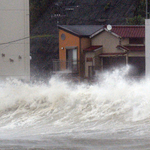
129,31
92,48
81,30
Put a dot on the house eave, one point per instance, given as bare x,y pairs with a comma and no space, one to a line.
93,50
94,34
112,33
98,49
104,29
112,54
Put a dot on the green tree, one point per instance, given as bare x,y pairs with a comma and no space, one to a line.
139,14
136,20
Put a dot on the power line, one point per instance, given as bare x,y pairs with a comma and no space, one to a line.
14,41
31,37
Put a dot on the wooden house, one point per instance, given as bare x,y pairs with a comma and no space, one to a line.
86,49
115,46
73,39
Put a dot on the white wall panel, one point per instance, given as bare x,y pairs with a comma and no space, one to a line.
14,39
147,46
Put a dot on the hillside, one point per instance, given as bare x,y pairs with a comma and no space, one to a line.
44,33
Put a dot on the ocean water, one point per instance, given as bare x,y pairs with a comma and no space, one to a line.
112,113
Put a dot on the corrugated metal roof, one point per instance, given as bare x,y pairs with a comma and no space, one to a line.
92,48
81,30
129,31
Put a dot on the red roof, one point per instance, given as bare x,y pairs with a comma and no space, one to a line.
111,54
129,31
92,48
122,47
136,48
132,48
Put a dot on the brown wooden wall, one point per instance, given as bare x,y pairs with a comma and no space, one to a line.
71,40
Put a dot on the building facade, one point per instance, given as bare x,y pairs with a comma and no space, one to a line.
147,47
104,48
119,46
72,41
14,41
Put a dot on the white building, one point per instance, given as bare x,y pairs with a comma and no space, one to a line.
147,46
14,39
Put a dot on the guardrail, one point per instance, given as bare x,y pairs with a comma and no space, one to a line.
69,66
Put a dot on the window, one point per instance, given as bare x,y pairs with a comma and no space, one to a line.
63,36
138,66
89,59
136,40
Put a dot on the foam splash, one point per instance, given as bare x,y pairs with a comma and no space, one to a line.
113,98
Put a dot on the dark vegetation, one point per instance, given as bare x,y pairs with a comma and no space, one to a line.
139,13
45,15
37,9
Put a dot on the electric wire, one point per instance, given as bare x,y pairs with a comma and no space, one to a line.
29,37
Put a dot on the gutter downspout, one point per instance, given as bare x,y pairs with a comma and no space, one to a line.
126,51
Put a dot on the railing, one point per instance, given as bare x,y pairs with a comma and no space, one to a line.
61,66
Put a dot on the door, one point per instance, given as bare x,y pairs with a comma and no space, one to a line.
71,59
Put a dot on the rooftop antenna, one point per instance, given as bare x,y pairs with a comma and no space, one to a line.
109,27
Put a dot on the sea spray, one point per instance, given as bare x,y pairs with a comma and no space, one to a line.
63,106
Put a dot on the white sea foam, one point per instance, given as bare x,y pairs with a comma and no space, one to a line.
60,105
